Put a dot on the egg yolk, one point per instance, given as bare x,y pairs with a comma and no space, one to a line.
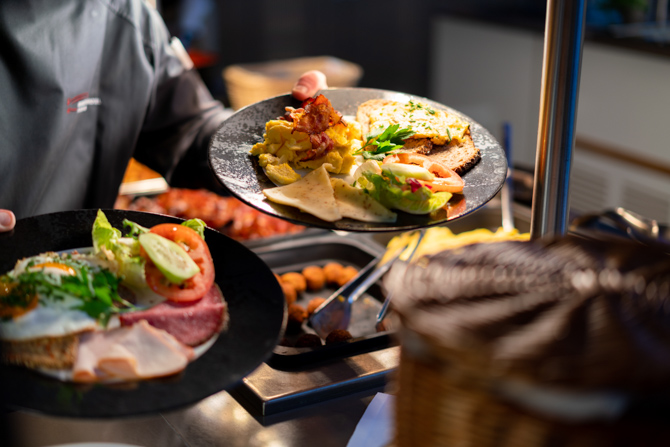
61,269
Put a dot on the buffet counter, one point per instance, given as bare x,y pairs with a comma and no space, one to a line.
219,420
323,400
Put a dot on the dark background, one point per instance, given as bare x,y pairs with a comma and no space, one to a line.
389,39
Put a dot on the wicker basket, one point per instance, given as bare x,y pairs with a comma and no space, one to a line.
250,83
440,403
464,333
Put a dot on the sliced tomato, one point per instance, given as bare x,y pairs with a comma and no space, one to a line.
446,179
193,288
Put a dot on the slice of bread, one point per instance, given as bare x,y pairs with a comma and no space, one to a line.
421,146
460,156
42,352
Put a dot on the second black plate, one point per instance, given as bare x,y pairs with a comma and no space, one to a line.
255,307
239,171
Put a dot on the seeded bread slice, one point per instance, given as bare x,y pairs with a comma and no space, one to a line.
459,156
42,352
421,146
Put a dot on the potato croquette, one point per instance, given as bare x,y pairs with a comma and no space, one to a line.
347,274
313,304
290,295
314,277
296,316
332,271
296,279
338,336
308,341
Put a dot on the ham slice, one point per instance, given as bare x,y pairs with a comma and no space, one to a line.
136,352
190,323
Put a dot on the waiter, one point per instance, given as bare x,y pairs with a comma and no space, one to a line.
86,85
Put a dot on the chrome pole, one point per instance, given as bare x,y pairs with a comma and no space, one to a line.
563,41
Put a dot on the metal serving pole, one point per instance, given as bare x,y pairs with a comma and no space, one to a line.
563,41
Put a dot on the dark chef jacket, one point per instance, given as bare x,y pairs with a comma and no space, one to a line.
84,86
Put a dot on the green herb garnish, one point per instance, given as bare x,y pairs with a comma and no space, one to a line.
417,105
95,287
382,142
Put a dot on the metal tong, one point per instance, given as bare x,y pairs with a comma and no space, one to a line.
380,325
335,312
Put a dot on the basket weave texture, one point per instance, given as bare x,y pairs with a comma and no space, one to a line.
250,83
476,319
442,404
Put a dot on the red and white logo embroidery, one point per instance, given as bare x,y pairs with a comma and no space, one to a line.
80,103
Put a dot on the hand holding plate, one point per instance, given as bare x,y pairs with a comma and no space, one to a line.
309,84
7,220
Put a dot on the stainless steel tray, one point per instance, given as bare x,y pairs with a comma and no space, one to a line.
296,254
288,381
295,377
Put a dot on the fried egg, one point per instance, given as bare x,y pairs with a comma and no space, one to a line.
426,122
51,317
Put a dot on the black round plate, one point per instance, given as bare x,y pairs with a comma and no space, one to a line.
255,305
239,172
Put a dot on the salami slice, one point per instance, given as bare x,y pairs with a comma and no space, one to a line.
191,323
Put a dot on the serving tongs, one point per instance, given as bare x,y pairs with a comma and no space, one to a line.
335,312
380,324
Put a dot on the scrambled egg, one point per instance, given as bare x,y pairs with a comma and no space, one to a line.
282,149
280,173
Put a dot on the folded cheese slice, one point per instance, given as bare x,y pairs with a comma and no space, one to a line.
312,194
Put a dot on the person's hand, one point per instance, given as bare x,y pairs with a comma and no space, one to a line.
308,84
7,220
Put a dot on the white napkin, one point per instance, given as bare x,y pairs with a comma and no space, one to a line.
375,429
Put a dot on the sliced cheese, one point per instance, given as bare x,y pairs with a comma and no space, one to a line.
356,204
312,194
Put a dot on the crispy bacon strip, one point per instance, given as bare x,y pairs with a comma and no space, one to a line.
316,115
321,145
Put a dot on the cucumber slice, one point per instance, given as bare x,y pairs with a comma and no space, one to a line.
170,258
407,170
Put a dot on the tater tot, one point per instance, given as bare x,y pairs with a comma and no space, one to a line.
308,341
296,279
338,336
296,316
314,277
332,271
347,273
290,295
313,304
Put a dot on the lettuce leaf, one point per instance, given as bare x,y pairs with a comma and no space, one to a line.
389,191
103,232
108,243
196,224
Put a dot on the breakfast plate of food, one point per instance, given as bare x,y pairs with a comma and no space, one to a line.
357,159
109,313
